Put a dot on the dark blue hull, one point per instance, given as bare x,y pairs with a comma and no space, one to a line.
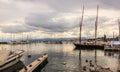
82,46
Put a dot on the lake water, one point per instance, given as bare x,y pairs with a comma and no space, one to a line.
60,53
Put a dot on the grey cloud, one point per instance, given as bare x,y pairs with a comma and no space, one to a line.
110,4
7,11
17,28
89,23
69,5
64,5
44,22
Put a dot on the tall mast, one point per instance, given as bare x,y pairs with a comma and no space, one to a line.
81,24
119,28
80,38
96,22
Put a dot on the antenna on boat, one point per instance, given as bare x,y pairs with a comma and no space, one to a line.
81,24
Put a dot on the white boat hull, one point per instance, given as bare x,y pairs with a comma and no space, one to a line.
11,61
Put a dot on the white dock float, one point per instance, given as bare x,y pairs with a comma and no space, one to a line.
34,64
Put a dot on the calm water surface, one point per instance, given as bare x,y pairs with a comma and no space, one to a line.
59,53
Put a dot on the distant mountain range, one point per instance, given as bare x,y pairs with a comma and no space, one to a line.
42,39
60,39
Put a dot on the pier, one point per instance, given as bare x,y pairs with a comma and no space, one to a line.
31,67
112,49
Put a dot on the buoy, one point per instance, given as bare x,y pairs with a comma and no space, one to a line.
64,63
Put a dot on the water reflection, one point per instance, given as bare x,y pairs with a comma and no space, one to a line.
119,62
100,57
87,59
114,54
59,53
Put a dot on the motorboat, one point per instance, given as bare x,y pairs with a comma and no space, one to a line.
9,58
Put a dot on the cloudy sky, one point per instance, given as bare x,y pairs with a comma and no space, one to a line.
57,18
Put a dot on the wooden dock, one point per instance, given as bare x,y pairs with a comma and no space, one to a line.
112,49
31,67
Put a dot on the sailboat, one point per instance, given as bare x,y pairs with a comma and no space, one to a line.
90,46
114,44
